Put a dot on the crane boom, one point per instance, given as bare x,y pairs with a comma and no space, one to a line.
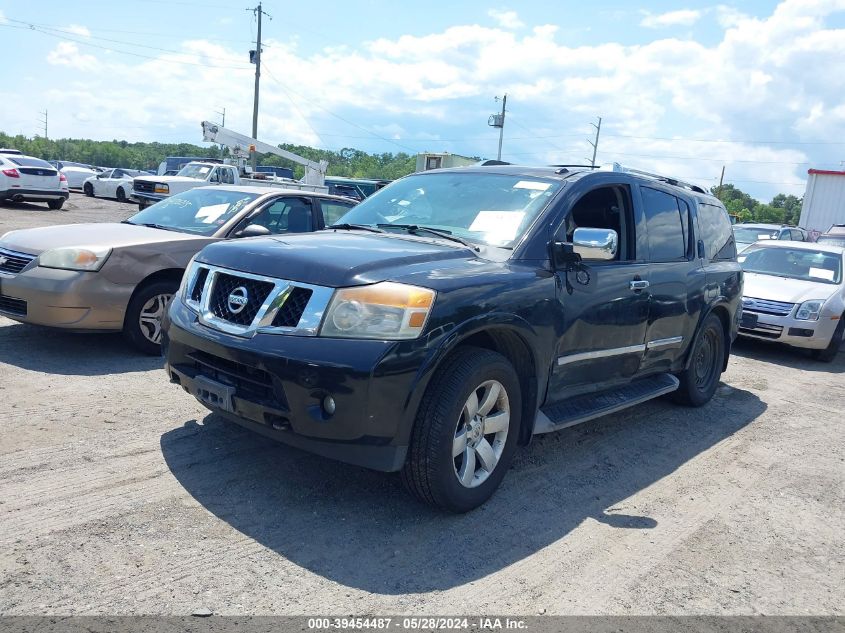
239,145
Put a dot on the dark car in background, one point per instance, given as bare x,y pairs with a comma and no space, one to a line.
454,314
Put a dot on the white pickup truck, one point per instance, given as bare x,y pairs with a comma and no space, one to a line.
147,190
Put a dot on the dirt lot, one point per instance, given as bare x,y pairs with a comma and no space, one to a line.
120,495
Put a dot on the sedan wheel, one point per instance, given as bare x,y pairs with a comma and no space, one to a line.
151,315
142,323
121,195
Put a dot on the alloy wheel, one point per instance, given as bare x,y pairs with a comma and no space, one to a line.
481,433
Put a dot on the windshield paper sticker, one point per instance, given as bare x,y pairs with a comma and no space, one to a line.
499,226
210,213
532,184
822,273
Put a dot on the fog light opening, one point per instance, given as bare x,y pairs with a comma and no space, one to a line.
329,405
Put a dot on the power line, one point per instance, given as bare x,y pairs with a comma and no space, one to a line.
120,52
337,116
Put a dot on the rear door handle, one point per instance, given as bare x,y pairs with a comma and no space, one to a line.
638,284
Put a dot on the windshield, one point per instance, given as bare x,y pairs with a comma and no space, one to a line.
793,263
202,211
192,170
750,234
832,240
494,209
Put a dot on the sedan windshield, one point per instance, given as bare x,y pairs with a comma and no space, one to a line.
793,263
832,240
749,235
494,209
202,211
192,170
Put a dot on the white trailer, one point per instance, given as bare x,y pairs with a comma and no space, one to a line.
824,201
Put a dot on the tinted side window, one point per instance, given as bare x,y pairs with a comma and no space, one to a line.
716,232
333,211
666,238
286,215
228,176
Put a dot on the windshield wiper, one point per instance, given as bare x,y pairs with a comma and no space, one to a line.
354,227
128,222
415,229
157,226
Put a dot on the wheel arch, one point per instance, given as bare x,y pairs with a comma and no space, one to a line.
509,336
721,310
166,274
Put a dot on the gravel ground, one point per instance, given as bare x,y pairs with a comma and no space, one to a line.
119,494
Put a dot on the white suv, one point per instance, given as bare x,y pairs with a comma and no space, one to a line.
29,179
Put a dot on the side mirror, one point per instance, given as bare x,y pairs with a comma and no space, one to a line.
595,244
253,230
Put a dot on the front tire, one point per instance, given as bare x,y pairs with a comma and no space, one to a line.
828,354
142,323
465,432
121,195
88,189
700,379
55,205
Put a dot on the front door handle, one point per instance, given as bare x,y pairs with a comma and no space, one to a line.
638,284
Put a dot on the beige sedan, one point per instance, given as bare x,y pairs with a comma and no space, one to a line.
119,277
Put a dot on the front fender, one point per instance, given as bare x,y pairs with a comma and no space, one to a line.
459,334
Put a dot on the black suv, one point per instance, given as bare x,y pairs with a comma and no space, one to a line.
456,313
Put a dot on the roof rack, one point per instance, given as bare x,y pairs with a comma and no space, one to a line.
667,179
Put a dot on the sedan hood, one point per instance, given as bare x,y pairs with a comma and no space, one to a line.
111,235
335,259
784,289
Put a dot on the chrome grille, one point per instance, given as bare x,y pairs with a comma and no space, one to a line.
763,330
143,186
12,262
269,305
253,291
765,306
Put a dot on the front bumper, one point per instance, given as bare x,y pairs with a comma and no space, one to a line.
35,195
276,385
148,198
790,331
64,298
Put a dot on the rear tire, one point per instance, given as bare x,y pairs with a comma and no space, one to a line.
88,189
121,195
55,205
465,432
700,379
828,354
142,323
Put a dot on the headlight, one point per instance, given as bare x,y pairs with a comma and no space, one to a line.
386,310
161,188
809,311
91,259
187,285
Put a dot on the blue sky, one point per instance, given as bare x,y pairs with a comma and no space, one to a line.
682,88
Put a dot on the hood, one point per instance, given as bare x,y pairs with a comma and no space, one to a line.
167,179
784,289
112,235
335,258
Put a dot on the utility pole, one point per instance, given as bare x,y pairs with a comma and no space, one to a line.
721,180
498,120
256,59
44,122
596,143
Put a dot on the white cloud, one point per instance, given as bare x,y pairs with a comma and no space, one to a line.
761,80
3,19
68,54
506,19
77,29
681,17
